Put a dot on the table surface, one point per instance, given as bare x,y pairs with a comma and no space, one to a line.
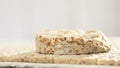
15,47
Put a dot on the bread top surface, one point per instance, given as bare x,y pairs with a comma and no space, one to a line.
72,35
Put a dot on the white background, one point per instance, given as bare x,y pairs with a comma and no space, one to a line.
21,19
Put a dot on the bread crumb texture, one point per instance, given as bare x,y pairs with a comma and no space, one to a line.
72,42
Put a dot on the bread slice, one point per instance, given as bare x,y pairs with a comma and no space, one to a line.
109,58
93,59
71,42
31,57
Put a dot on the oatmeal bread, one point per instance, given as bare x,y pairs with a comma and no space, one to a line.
91,59
107,58
71,42
31,57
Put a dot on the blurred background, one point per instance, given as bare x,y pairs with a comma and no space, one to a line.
21,19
